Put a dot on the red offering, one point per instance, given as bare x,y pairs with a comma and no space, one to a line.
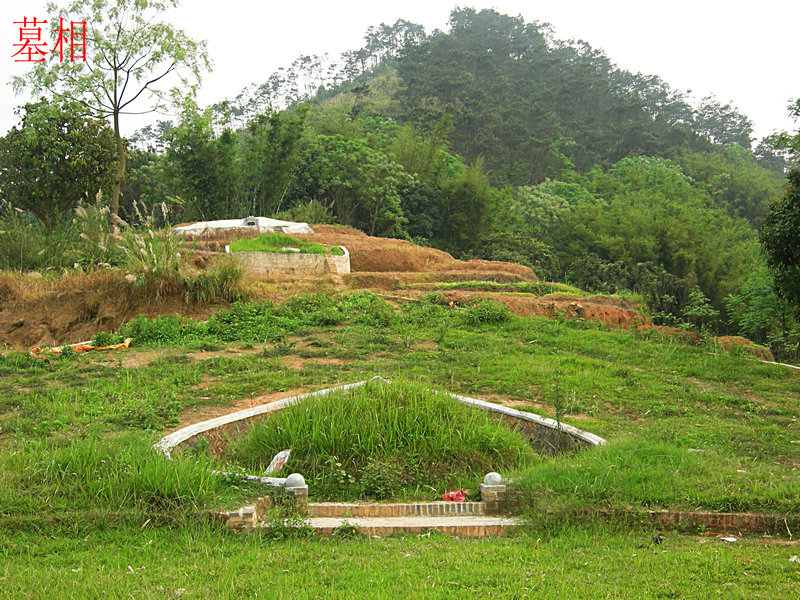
458,495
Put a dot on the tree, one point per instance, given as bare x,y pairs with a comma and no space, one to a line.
268,157
650,211
200,166
780,236
734,180
781,230
786,140
723,124
131,56
55,158
360,186
465,204
763,316
507,246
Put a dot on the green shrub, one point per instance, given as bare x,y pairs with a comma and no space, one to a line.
384,478
165,329
486,312
251,322
104,338
366,308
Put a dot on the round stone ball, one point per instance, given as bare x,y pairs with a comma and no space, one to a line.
493,479
295,480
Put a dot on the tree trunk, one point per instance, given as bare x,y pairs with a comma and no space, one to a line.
115,191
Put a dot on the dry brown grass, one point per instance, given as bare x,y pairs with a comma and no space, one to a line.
384,255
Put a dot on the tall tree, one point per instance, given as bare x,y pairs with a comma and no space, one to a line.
780,237
360,186
201,165
734,180
465,204
55,158
723,123
781,232
268,156
134,63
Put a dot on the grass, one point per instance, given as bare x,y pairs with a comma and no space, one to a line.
538,288
657,400
277,242
83,252
82,238
689,427
202,562
122,472
380,440
652,474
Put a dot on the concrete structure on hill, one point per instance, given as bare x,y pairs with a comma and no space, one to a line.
270,265
259,224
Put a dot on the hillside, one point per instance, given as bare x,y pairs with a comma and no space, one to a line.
496,140
74,308
552,263
688,427
529,102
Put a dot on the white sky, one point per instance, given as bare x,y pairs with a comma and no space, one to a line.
743,52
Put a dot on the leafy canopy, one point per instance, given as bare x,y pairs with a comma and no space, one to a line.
130,56
55,158
135,63
781,231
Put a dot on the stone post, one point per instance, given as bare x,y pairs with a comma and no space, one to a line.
493,490
296,484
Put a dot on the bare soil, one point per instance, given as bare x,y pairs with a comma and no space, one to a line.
73,308
731,341
556,306
39,311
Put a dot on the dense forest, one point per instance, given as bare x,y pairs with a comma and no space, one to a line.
493,139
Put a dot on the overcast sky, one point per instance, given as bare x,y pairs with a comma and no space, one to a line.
742,52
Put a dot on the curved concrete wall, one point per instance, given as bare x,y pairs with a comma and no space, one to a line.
545,435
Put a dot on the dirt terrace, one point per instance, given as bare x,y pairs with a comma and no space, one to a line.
385,255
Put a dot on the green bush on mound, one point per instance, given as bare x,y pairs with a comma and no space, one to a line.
381,441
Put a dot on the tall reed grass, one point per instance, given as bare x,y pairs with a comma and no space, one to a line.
114,473
149,256
83,240
27,245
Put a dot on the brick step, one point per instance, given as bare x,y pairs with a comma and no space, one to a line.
461,526
417,509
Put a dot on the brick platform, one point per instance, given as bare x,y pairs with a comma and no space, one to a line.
462,526
419,509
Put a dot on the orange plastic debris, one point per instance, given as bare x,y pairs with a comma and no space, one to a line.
82,347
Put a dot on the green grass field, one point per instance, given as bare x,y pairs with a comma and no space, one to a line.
199,562
689,427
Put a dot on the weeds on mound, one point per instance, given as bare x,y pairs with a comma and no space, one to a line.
379,440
